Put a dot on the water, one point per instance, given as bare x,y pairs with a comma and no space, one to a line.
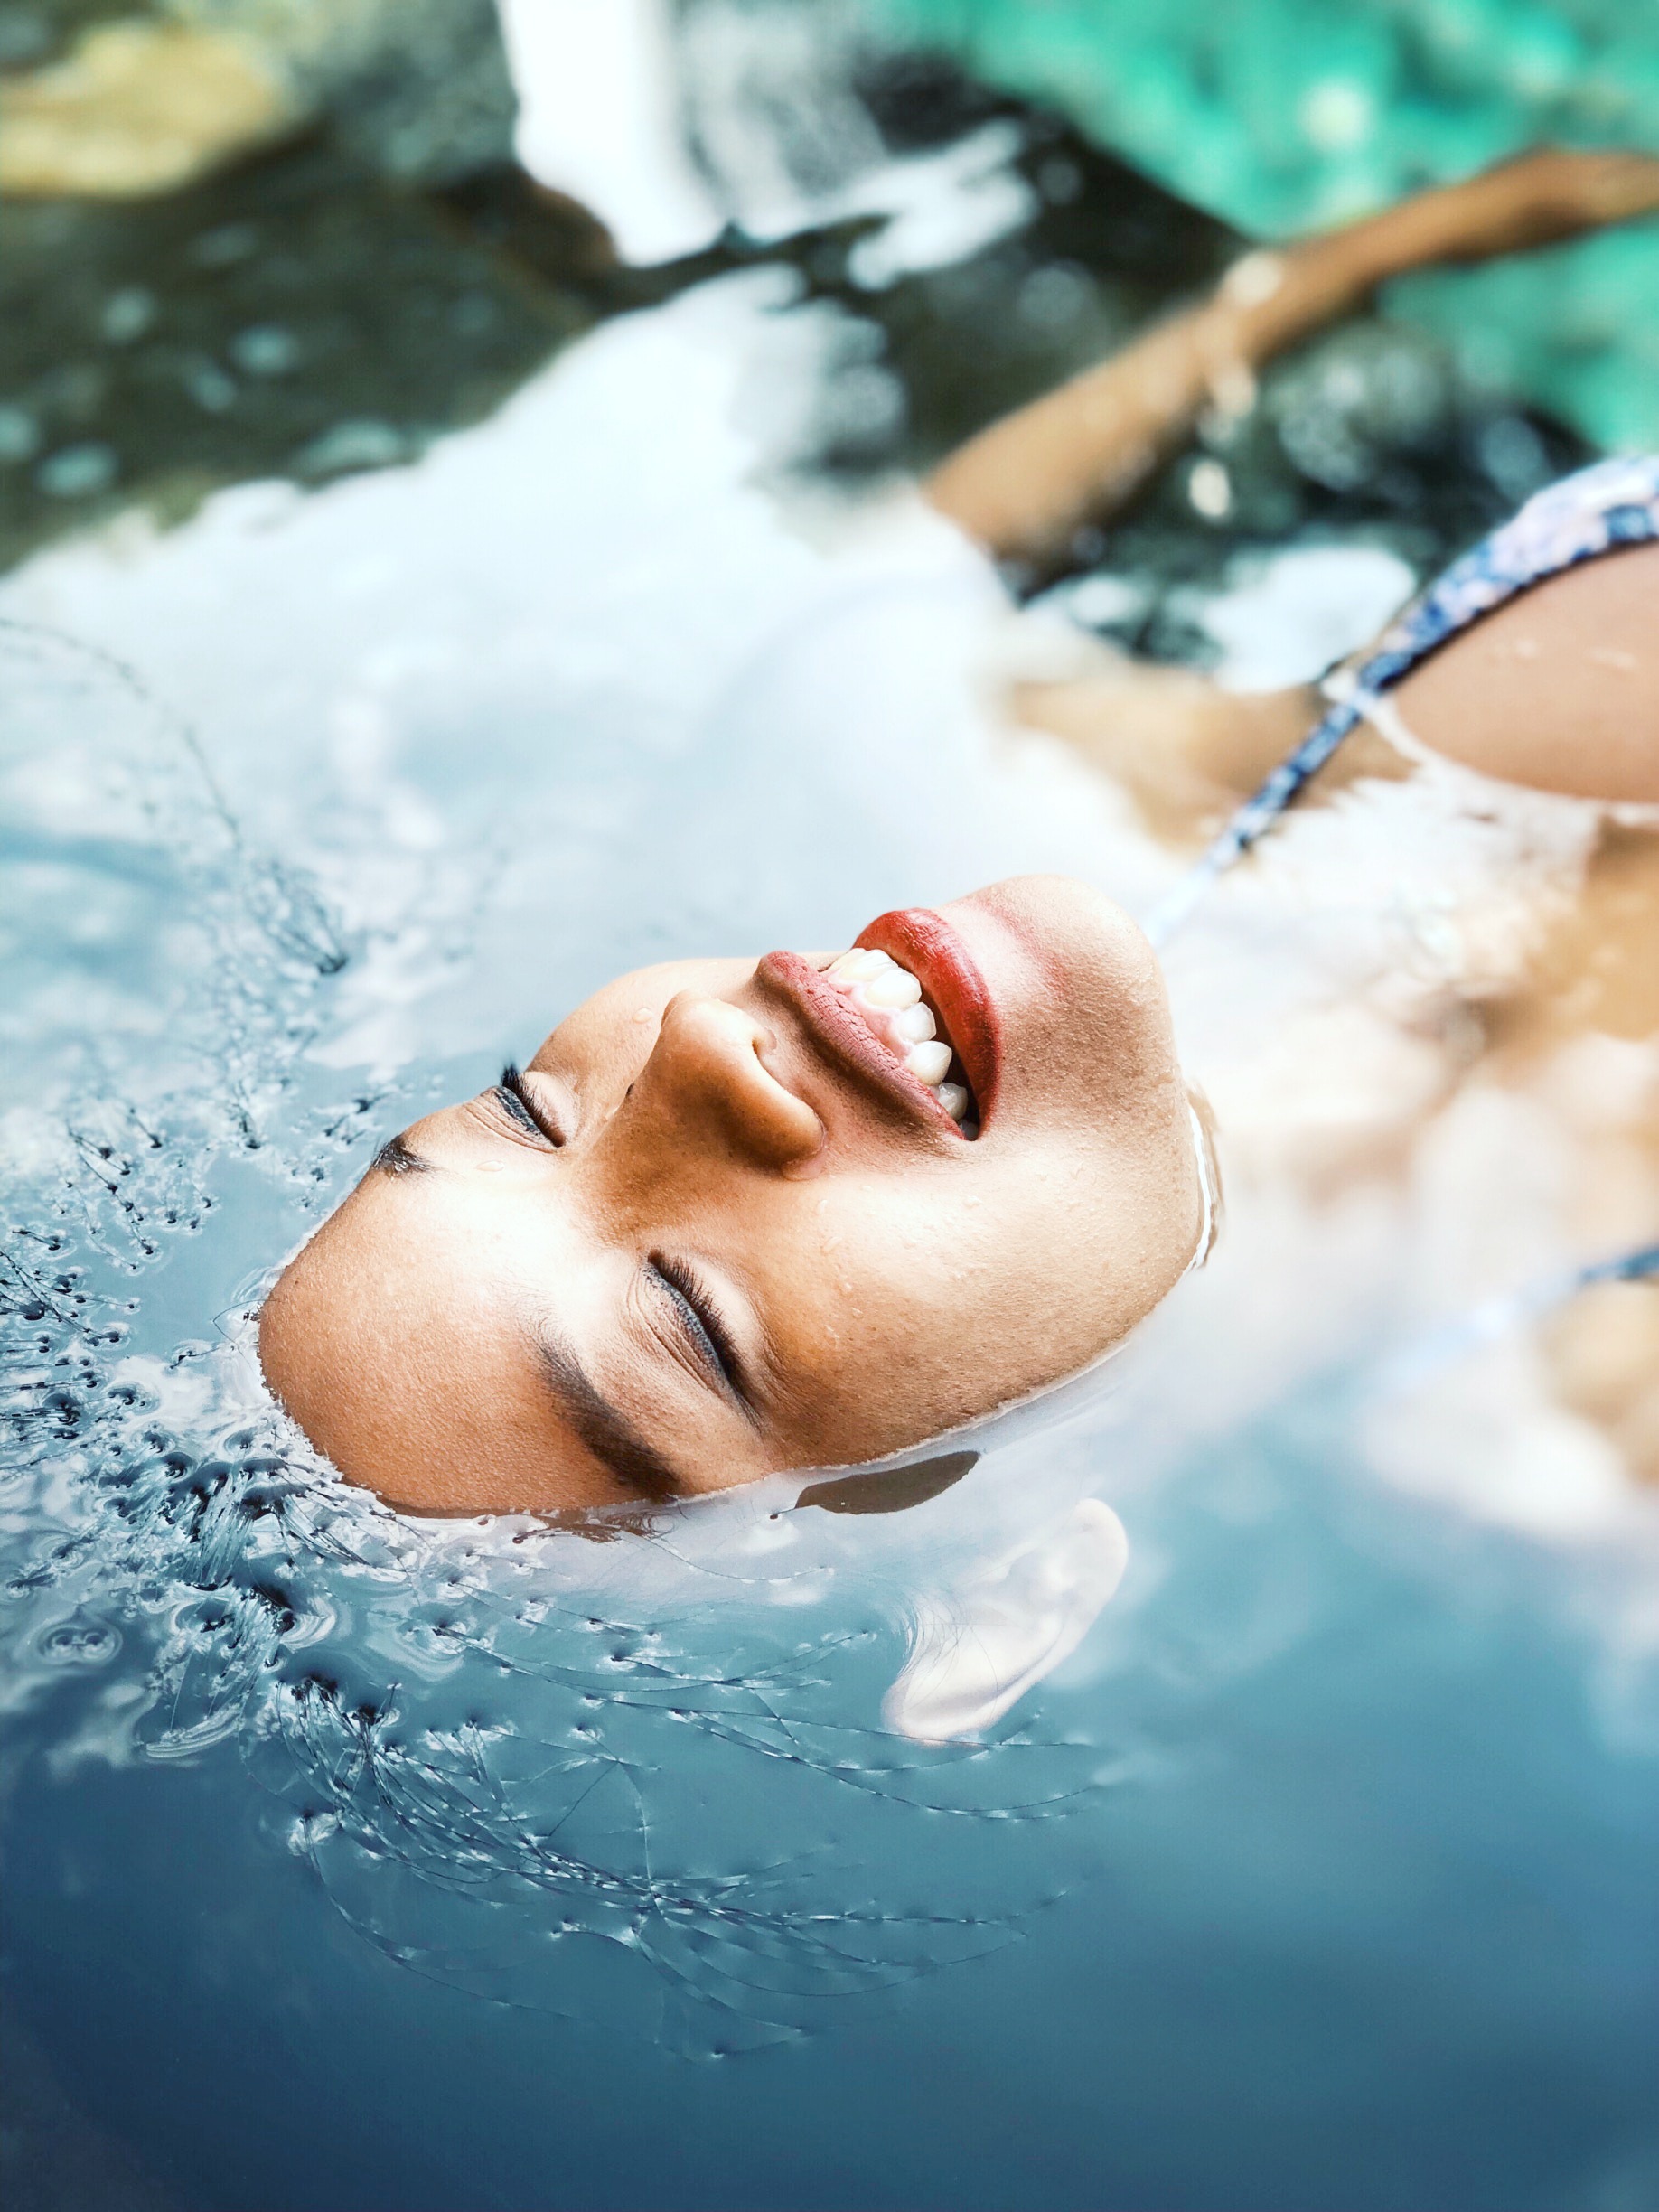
354,1862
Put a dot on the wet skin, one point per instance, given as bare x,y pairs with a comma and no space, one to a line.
720,1231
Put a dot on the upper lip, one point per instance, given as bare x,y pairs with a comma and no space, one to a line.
920,941
924,943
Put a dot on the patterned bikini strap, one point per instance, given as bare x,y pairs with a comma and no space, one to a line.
1614,504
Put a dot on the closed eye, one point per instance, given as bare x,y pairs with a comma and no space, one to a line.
520,1104
703,1326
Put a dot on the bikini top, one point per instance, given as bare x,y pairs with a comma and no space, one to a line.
1601,509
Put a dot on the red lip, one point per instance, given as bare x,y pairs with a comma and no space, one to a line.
925,943
836,1025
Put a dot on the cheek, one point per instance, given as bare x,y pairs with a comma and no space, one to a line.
902,1314
896,1281
1055,1246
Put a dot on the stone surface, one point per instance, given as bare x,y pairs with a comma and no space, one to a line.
297,316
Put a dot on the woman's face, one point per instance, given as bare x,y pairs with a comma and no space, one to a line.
721,1228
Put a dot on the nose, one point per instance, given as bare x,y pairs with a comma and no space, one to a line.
706,1087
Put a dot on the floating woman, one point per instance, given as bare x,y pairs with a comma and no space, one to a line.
737,1216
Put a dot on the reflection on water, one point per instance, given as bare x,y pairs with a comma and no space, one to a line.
1310,1853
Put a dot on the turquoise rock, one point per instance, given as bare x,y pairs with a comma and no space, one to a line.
1284,116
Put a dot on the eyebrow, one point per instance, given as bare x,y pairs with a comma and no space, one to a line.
398,1157
606,1431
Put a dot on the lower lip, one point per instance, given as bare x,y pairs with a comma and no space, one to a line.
925,943
835,1022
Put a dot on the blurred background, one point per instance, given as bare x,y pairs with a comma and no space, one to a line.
240,238
449,415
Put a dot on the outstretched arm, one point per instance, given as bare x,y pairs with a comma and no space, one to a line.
1558,690
1023,486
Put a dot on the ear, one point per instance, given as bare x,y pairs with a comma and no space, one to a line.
975,1649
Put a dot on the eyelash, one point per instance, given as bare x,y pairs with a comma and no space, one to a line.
691,1295
518,1104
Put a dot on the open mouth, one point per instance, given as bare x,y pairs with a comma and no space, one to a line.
922,944
908,1009
889,1000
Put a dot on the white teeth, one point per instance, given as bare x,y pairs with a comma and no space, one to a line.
894,988
876,981
858,966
